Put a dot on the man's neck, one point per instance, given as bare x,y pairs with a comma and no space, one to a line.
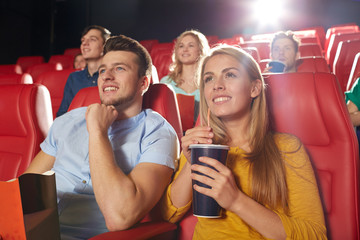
93,66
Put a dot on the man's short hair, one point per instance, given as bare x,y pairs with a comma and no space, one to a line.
124,43
105,34
289,35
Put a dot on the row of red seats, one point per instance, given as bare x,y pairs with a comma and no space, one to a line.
326,132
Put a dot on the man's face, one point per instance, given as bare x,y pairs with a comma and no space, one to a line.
118,82
283,50
92,44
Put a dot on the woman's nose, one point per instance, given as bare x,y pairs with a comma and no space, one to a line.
218,84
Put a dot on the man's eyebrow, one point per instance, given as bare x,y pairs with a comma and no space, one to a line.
114,64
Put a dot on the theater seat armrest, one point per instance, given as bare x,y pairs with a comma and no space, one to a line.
147,230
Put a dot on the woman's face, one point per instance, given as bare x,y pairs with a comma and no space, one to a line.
227,87
188,50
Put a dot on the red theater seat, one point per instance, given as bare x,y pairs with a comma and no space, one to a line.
335,39
55,82
161,47
37,69
263,47
344,60
67,61
320,32
26,61
24,123
72,51
148,43
345,28
312,64
162,60
310,50
10,68
16,78
328,135
355,72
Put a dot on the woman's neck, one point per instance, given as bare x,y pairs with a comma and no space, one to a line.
238,131
188,78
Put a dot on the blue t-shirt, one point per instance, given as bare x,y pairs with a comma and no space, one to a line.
76,81
146,137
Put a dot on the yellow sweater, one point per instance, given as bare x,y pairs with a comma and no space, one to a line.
306,218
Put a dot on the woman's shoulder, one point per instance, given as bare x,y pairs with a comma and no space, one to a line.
287,142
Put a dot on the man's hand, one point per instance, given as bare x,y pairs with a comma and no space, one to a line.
99,117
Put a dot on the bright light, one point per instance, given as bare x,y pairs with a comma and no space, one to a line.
268,12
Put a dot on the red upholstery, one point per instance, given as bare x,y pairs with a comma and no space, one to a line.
355,72
148,43
320,32
305,64
159,97
161,47
162,60
312,64
72,51
55,82
25,119
16,78
299,103
186,107
263,47
230,41
310,50
67,61
335,39
344,60
346,28
37,69
213,39
10,68
26,61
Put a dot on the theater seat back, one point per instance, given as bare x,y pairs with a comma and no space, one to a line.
159,98
311,106
55,82
355,72
25,119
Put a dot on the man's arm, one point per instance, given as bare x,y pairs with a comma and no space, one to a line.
41,163
123,199
354,113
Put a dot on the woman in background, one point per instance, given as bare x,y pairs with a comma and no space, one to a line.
189,48
267,188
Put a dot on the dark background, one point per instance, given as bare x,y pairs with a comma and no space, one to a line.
47,27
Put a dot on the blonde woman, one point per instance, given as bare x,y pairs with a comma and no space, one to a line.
267,188
189,48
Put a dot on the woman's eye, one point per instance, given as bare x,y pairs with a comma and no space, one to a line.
208,79
230,75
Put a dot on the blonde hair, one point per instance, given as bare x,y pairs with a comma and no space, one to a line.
268,184
176,66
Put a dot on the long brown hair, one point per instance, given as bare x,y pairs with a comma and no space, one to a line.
176,66
268,184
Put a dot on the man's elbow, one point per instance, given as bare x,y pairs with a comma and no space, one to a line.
119,223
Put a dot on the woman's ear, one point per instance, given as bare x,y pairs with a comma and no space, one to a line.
256,88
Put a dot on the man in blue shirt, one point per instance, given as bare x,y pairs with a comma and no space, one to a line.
92,42
112,161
